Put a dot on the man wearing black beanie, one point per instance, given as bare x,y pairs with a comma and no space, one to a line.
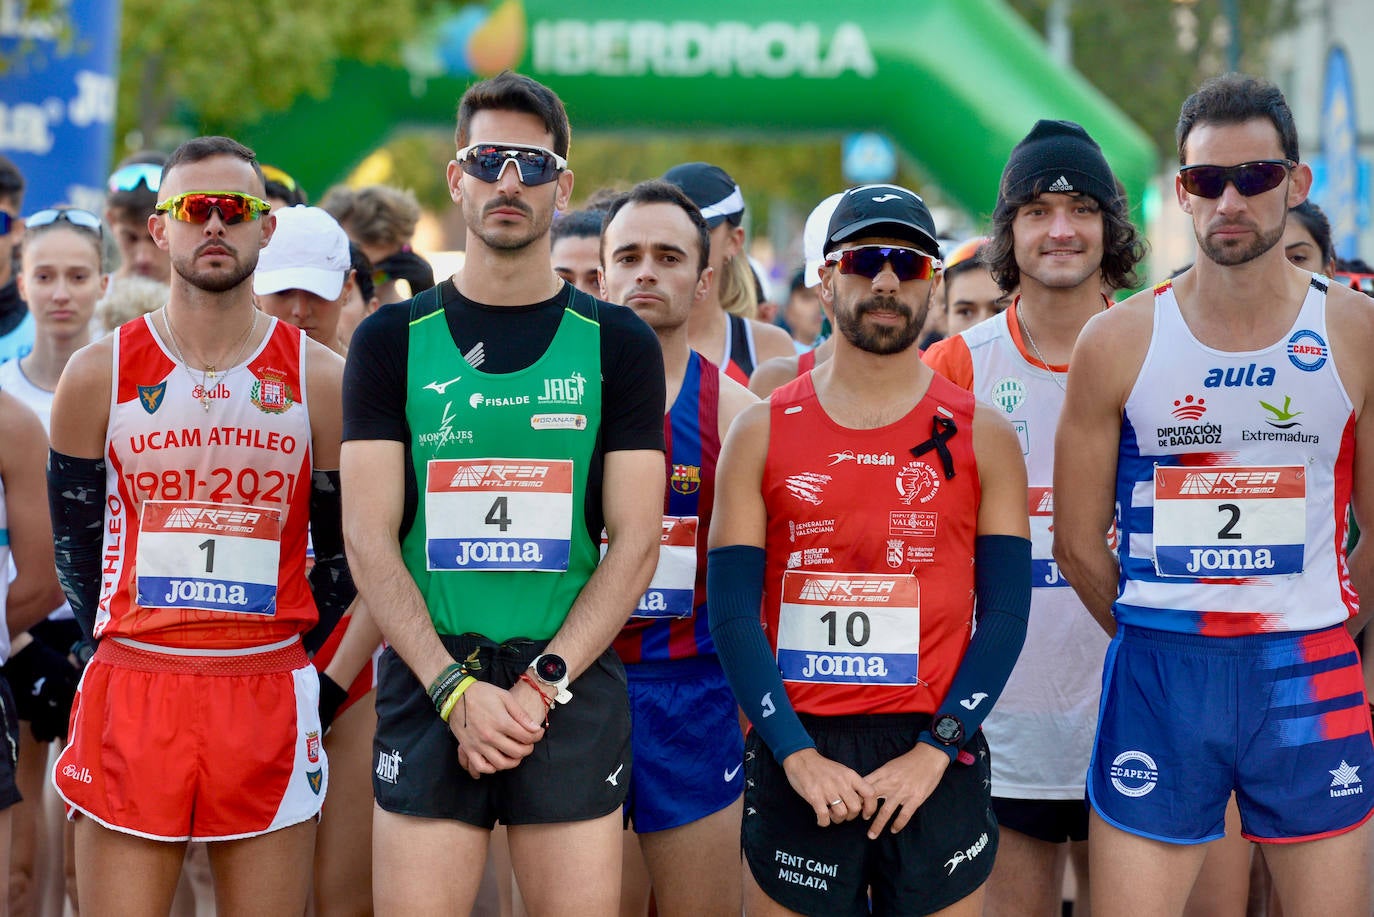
1060,236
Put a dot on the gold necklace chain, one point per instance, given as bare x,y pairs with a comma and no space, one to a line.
1025,329
209,376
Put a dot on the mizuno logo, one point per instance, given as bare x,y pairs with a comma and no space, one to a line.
614,777
441,387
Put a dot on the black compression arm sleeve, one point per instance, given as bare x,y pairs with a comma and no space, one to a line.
330,580
1002,584
76,501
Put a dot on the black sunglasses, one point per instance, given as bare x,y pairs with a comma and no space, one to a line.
1250,178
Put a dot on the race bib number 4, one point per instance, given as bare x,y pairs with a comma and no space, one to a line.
208,556
1230,521
849,628
498,514
673,588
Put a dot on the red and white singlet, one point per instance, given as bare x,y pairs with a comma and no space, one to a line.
207,509
868,595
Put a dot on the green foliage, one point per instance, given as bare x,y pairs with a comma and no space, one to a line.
1147,56
229,62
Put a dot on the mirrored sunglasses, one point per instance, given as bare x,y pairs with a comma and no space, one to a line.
73,215
128,178
1250,178
869,261
534,164
196,206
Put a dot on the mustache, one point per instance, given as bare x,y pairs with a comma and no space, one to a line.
882,304
215,243
507,203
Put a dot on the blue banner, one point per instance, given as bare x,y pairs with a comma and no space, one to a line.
57,100
1340,152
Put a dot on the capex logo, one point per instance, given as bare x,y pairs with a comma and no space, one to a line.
1307,351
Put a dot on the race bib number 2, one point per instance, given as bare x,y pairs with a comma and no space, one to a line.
849,628
498,514
208,556
1230,521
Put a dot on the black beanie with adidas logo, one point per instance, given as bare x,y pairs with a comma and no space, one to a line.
1057,156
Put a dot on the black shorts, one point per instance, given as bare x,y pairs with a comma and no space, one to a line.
1053,821
9,746
580,770
942,856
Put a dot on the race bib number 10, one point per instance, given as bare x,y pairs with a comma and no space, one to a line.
498,514
1230,521
208,556
849,628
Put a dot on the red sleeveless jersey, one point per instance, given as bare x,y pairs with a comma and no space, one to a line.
208,494
868,597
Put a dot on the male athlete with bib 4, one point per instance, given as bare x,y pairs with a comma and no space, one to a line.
477,499
863,507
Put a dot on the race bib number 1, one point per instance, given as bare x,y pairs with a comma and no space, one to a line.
498,514
1230,521
849,628
208,556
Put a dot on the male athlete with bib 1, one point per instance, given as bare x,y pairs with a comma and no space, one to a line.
688,749
476,499
1226,417
864,507
190,440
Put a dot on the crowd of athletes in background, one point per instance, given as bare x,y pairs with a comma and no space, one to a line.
68,277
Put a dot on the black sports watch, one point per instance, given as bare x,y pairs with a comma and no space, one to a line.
947,729
552,670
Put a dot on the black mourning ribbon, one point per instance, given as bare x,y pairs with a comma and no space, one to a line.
942,430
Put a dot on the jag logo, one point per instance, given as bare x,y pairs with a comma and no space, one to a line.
566,390
1307,351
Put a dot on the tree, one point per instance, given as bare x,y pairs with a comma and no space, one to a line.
229,62
1147,56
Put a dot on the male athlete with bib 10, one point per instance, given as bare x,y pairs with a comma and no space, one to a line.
477,499
864,507
189,439
1225,416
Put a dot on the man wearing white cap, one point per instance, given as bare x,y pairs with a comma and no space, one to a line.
305,274
780,370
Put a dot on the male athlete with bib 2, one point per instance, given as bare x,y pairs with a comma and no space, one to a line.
863,507
1226,418
477,497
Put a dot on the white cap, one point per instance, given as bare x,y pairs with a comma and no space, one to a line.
813,237
309,251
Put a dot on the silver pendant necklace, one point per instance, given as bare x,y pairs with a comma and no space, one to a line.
1025,330
209,376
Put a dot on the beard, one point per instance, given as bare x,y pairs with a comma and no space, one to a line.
215,280
881,339
505,238
1240,251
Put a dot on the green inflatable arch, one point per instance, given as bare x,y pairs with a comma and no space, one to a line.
954,83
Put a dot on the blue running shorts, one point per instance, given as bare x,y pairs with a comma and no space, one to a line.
1279,718
688,748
